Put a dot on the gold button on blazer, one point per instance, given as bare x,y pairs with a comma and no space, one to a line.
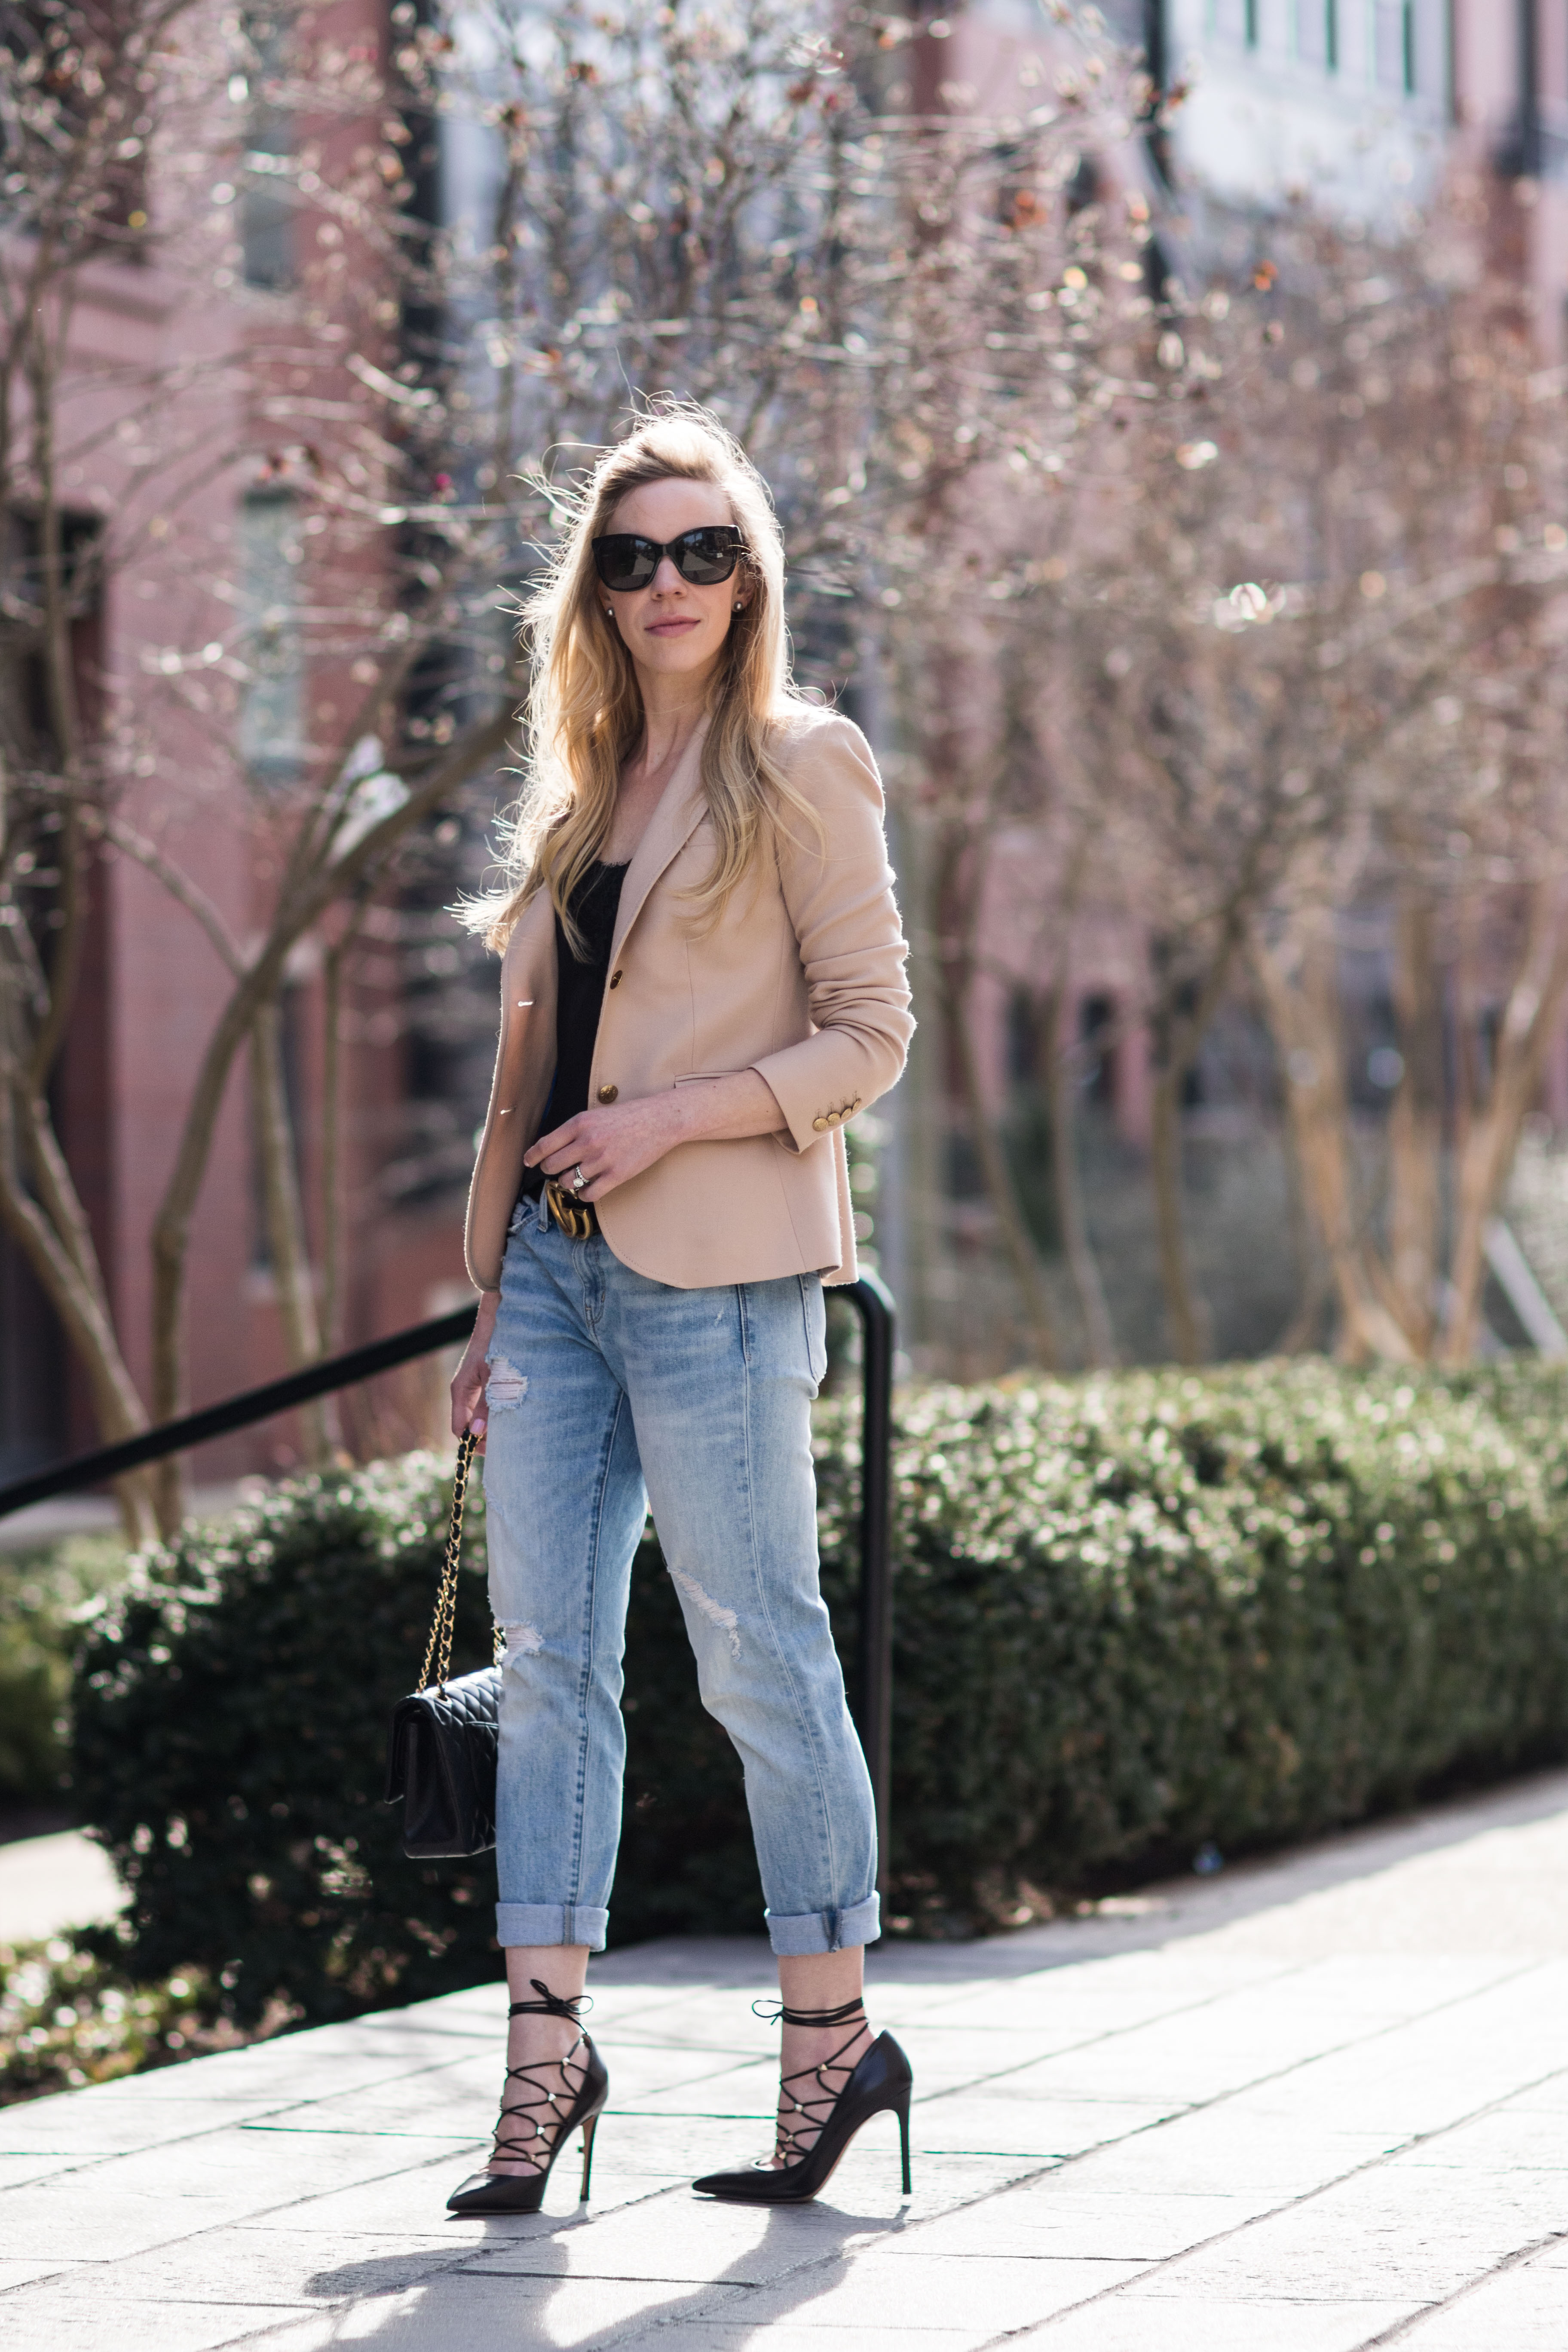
802,979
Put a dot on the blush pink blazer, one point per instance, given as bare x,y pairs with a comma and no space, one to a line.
802,979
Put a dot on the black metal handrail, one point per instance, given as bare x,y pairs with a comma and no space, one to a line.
332,1372
870,1297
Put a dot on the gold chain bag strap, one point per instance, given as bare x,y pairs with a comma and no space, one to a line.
441,1745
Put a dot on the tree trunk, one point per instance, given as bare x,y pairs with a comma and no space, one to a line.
1301,995
331,1132
1184,1316
286,1235
1100,1339
1000,1190
1416,1125
1178,1036
1487,1155
66,1267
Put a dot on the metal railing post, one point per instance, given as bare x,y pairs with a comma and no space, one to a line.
874,1302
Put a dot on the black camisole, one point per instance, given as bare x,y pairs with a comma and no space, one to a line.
580,996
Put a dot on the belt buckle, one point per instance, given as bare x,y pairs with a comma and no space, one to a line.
574,1217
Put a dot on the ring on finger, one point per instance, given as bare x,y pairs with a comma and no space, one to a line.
578,1179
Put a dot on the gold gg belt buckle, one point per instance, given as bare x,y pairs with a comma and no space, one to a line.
573,1216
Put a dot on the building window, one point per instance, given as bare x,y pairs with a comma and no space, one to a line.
1318,33
1022,1038
1235,20
1394,44
267,212
271,739
1097,1050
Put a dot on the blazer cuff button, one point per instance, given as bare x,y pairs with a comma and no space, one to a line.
609,1094
819,1124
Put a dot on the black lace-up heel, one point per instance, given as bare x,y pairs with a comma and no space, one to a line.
557,2117
879,2082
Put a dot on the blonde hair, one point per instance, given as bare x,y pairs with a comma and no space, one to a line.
585,712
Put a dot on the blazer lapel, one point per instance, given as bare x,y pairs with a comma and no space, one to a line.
681,810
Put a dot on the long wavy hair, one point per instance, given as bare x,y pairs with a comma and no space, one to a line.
585,713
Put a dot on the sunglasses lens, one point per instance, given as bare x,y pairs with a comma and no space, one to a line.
625,562
706,557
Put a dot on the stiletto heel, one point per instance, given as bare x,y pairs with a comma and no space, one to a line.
879,2083
589,2128
523,2192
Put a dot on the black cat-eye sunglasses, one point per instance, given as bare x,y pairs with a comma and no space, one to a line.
625,561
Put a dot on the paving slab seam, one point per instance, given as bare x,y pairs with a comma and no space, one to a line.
88,2160
1115,2032
238,2117
1404,2328
259,2118
261,2213
1067,2049
1180,2113
1198,2106
1291,2204
25,2286
454,2139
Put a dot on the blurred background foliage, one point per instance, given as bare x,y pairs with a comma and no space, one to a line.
43,1591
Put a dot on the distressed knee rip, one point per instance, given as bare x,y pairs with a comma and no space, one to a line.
723,1618
522,1641
506,1387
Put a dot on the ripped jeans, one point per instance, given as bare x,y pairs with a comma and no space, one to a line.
607,1390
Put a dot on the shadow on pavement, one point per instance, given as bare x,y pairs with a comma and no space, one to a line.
791,2263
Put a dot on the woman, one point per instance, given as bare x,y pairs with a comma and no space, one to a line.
702,980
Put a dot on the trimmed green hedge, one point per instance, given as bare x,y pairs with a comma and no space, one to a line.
1134,1615
1142,1614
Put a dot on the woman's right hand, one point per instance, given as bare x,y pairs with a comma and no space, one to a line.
469,1379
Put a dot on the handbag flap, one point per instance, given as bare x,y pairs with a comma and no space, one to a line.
441,1760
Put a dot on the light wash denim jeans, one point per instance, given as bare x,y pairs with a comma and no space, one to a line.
607,1390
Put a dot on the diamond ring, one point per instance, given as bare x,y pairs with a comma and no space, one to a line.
578,1179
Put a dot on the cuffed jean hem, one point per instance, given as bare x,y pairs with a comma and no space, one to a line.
801,1932
552,1923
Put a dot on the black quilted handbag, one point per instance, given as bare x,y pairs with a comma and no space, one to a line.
441,1747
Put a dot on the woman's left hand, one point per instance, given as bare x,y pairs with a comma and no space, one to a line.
613,1145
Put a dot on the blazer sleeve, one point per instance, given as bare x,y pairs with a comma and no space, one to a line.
839,894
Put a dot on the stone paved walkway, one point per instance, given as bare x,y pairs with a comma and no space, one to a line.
1309,2105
